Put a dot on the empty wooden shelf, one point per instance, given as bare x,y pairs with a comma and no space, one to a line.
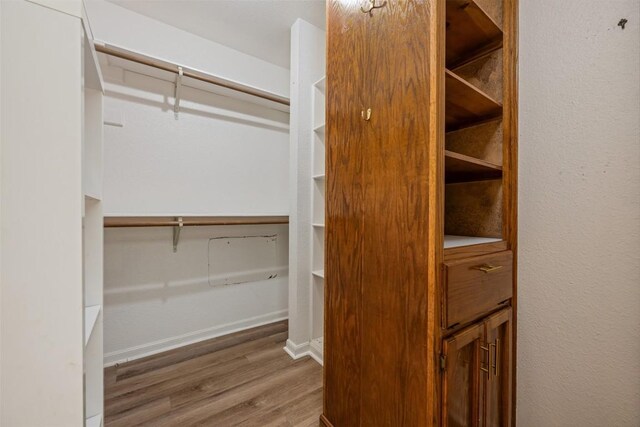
173,221
466,105
459,241
471,33
461,168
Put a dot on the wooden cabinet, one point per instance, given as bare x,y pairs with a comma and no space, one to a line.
476,379
420,215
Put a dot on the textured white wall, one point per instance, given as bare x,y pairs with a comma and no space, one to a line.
579,288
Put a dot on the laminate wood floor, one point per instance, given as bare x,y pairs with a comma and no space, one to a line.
242,379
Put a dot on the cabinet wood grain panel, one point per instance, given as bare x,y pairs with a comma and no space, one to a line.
498,395
462,385
378,216
347,47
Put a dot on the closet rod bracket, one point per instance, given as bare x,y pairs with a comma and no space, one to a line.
176,233
176,106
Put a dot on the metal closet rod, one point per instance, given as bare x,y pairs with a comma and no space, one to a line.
173,68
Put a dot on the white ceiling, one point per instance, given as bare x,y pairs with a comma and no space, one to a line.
257,27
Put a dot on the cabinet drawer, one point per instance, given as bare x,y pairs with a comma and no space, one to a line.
474,286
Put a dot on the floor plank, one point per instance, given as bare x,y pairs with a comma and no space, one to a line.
243,379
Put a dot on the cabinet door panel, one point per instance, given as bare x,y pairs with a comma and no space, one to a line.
396,358
347,47
463,381
498,398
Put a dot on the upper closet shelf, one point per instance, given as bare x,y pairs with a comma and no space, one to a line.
179,221
466,105
471,33
461,168
158,68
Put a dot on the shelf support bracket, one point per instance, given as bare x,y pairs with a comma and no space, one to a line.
176,233
176,106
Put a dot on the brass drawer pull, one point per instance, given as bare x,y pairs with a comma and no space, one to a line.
488,268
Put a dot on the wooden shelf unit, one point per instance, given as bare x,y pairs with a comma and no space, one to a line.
421,238
470,32
173,221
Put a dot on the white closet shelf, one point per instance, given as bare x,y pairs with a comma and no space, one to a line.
319,177
318,225
174,221
321,84
318,273
90,317
95,421
451,241
319,129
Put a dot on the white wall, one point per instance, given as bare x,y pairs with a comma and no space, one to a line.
221,157
156,299
579,286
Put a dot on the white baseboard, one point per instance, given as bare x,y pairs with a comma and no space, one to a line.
296,351
148,349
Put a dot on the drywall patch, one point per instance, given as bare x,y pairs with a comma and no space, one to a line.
234,260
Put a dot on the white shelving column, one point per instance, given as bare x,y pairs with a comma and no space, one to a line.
50,216
92,233
317,225
306,191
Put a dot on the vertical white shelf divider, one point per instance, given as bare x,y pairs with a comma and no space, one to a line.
317,221
306,183
92,233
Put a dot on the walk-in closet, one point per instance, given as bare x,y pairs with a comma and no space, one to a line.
319,213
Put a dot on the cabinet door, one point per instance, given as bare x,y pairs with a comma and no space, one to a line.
379,362
463,380
498,397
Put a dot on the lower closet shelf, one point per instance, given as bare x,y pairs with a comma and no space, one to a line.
95,421
451,241
90,317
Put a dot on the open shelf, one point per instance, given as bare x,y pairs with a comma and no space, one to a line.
471,33
466,105
461,168
320,84
319,177
318,273
458,241
172,221
319,129
318,225
95,421
90,317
